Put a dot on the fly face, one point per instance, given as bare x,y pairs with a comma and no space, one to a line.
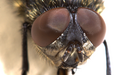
68,36
66,32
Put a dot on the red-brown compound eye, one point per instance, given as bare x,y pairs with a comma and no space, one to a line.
92,24
49,26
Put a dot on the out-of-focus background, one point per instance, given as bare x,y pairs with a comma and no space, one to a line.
10,45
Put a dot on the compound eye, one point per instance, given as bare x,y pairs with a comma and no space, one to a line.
92,24
49,26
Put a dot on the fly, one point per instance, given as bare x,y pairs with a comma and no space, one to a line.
66,32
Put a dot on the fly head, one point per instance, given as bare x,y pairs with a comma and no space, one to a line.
68,38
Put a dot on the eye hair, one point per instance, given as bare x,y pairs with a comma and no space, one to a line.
37,7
